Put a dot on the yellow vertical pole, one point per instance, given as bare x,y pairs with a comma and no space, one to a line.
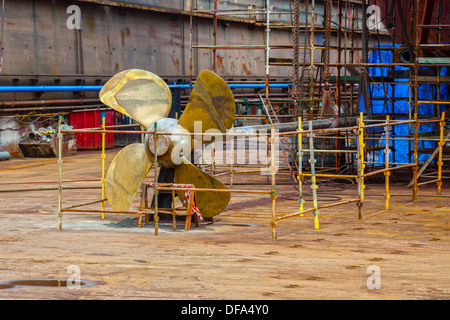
273,169
314,187
360,162
416,166
416,97
267,158
103,166
213,156
441,145
361,152
231,160
60,174
156,193
387,172
300,165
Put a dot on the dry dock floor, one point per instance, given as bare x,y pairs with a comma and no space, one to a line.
232,258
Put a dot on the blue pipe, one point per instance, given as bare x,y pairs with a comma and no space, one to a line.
98,88
258,85
49,88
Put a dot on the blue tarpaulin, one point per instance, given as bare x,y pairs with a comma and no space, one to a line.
390,105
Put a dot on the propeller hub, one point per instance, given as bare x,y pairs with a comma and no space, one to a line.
162,145
170,146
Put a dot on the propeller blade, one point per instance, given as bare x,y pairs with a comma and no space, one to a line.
139,94
211,102
209,203
125,175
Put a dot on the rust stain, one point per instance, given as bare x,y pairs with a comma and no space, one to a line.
219,62
124,33
176,63
245,69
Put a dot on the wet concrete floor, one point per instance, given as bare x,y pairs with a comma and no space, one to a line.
404,250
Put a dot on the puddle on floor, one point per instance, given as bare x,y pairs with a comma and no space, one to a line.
58,283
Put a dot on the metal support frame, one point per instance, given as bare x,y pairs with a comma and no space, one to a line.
361,137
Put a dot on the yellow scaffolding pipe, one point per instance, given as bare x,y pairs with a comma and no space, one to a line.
60,174
300,165
361,146
359,176
441,145
387,173
416,166
103,166
273,169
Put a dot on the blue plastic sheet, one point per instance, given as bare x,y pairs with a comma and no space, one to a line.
390,105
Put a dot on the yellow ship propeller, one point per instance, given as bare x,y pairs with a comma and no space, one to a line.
146,98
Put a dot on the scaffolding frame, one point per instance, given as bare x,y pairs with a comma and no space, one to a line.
361,136
273,139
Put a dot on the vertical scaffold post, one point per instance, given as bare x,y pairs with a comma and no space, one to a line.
311,59
60,174
231,160
155,140
416,8
387,173
300,165
174,217
312,160
441,146
267,157
267,65
103,166
360,163
416,166
142,203
213,156
273,171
